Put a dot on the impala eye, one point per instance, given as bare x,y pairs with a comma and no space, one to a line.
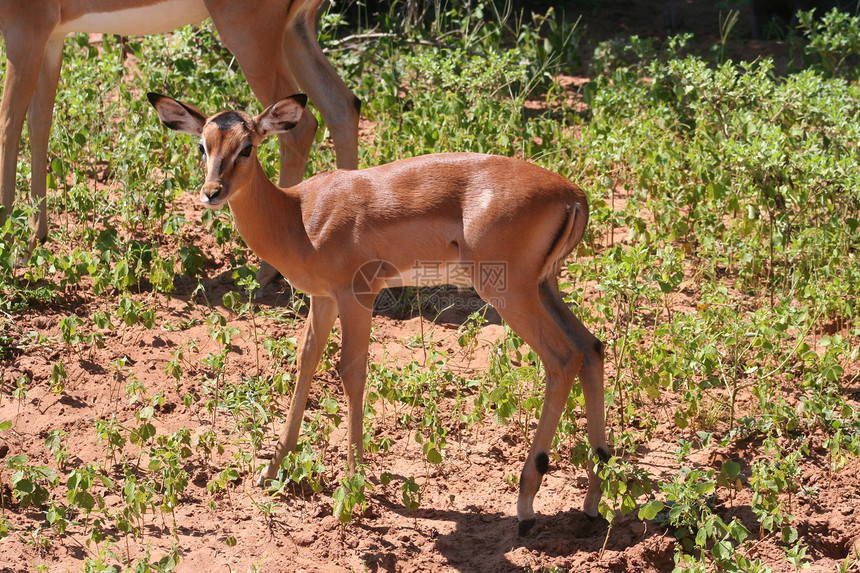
246,151
201,149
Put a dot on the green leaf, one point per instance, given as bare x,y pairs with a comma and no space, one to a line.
85,500
731,469
723,550
17,461
606,512
789,534
434,456
650,510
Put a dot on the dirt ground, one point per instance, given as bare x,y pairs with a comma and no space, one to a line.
467,519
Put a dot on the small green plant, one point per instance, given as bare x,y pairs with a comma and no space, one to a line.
138,497
69,330
55,442
167,467
111,432
58,377
690,498
100,564
165,563
623,484
469,332
207,444
349,497
223,480
20,392
30,484
771,479
36,539
5,527
81,493
411,494
145,430
301,466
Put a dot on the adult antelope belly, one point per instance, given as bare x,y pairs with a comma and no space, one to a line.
131,17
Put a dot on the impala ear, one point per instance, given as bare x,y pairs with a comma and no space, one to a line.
282,115
176,115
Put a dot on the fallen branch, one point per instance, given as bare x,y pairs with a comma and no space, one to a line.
340,45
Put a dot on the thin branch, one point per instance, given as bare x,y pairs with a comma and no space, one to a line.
342,44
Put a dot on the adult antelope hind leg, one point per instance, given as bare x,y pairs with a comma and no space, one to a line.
33,62
591,380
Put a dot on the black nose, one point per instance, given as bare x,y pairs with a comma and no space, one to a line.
211,192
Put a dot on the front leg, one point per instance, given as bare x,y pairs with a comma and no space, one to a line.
355,319
323,311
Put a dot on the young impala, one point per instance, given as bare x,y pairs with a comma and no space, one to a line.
343,236
274,42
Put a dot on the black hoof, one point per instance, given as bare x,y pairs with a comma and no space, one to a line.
542,463
597,521
525,526
603,455
596,525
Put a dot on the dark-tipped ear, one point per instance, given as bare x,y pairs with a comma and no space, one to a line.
176,115
282,115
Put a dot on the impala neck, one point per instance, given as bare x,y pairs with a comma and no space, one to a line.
269,219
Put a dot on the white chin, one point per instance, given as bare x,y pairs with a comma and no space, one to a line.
216,204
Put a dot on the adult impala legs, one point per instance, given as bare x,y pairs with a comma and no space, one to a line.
274,42
468,211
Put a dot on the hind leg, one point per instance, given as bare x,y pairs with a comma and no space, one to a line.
337,104
591,380
264,64
25,54
40,116
563,355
